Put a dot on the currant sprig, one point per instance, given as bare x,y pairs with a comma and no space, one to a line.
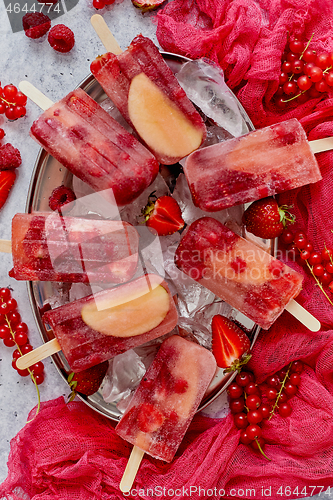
14,332
12,102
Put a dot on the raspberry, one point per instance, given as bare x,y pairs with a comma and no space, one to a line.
60,196
61,38
36,24
10,157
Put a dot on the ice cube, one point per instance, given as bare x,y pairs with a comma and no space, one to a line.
204,84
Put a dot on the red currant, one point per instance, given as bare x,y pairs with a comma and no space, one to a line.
21,99
19,111
329,267
235,391
304,82
273,381
296,46
323,60
14,318
253,402
5,294
255,416
290,88
26,348
21,338
243,379
287,67
244,438
10,113
318,270
295,378
326,278
305,254
252,388
271,393
283,397
287,236
98,4
315,74
321,86
255,446
39,379
291,57
21,328
2,134
297,66
240,420
9,92
300,240
297,367
23,373
37,368
9,342
12,304
290,389
285,410
237,405
327,253
309,55
265,410
253,432
329,78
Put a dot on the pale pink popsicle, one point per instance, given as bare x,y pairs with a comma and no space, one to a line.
149,97
96,148
167,398
259,164
237,271
98,327
50,247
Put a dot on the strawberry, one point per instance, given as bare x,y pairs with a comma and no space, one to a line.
7,179
87,381
264,218
230,344
163,214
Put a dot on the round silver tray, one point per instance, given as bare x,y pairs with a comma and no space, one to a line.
48,174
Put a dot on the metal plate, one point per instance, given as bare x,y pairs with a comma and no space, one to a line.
48,174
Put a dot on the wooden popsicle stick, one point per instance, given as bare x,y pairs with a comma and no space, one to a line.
320,145
131,469
35,95
5,246
105,35
303,316
38,354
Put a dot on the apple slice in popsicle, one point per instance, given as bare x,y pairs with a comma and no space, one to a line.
98,327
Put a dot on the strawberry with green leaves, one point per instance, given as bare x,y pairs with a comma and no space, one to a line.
163,215
87,381
266,219
230,344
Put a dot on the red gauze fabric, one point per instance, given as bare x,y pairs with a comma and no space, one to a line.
71,452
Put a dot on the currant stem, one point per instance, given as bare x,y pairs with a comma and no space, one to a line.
261,450
280,392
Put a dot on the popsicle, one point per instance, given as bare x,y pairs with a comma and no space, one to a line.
240,273
148,95
50,247
98,327
92,145
247,168
164,404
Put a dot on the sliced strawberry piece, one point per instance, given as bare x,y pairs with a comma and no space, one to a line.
163,215
149,418
264,218
229,343
7,179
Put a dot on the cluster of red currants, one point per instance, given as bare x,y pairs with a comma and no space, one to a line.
304,74
14,332
320,264
12,102
251,404
100,4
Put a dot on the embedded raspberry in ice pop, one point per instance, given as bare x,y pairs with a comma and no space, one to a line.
98,327
167,398
96,148
50,247
256,165
148,95
239,272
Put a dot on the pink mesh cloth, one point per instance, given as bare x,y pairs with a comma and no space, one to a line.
71,452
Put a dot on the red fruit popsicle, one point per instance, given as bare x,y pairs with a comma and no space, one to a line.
239,272
149,97
167,398
96,148
98,327
49,247
256,165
